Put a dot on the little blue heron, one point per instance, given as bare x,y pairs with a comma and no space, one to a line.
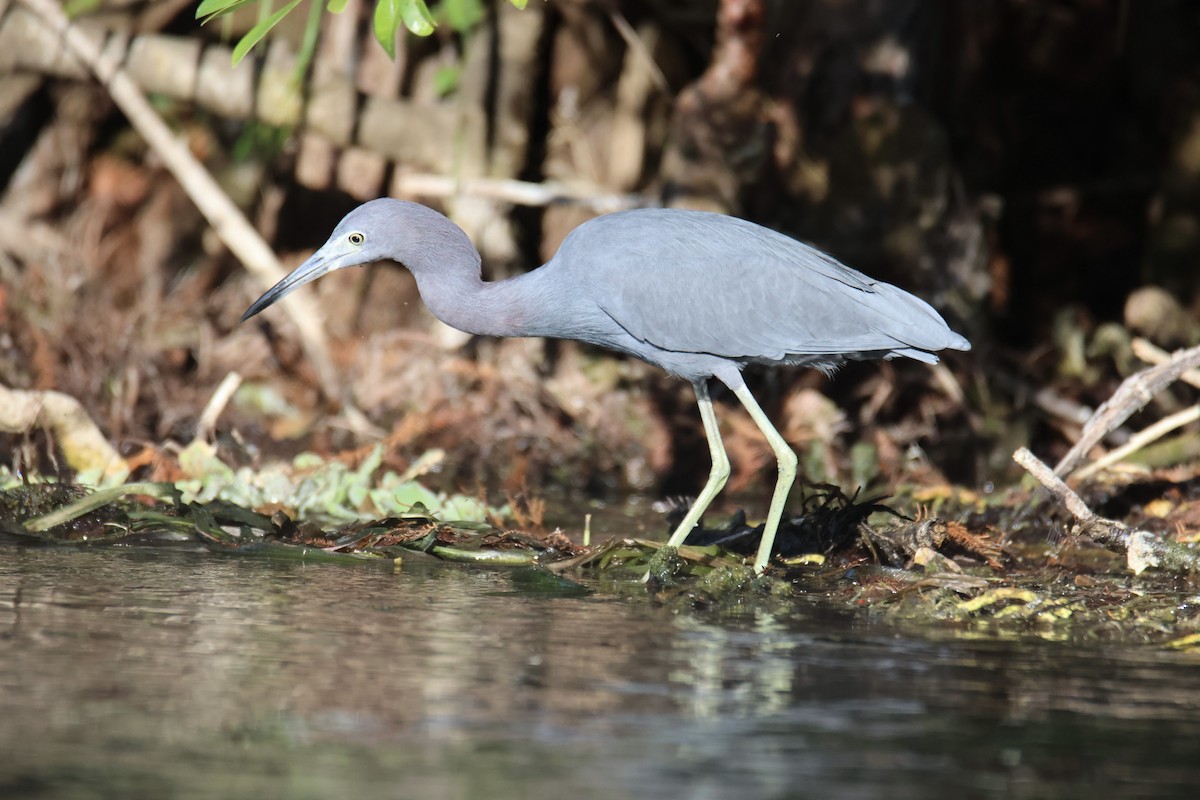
698,294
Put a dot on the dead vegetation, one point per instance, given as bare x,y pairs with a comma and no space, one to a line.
1015,568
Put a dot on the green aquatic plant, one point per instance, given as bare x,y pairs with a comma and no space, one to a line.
312,487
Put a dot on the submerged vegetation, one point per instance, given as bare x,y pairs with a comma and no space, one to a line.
1011,569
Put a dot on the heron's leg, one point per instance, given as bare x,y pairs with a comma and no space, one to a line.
720,467
787,474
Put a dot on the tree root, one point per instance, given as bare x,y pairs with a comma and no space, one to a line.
82,444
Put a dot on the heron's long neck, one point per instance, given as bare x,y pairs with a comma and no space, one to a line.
456,294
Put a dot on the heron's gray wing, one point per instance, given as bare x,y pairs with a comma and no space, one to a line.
748,293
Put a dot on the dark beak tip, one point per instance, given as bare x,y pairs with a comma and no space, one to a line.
261,304
305,273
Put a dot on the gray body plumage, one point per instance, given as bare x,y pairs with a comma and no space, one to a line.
690,291
699,294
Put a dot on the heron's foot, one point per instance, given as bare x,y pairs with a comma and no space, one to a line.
663,567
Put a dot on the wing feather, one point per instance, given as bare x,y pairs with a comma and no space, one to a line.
705,283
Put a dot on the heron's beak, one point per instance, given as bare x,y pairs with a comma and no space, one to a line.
333,255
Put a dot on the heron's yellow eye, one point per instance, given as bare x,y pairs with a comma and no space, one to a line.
356,239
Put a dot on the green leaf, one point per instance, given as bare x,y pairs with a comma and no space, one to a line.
518,3
417,17
386,23
90,502
255,34
413,13
445,79
462,15
337,6
208,8
390,13
75,8
211,9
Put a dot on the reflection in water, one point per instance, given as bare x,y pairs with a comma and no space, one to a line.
154,674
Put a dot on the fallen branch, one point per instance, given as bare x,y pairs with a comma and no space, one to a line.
1142,548
521,193
1054,484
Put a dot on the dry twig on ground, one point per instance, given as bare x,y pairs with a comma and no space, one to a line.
1142,548
1131,396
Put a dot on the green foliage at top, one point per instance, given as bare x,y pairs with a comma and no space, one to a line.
460,15
390,13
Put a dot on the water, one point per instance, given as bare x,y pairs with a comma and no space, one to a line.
157,674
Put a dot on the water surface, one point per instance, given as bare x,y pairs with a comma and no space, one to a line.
155,674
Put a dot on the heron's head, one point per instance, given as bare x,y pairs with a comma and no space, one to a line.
362,237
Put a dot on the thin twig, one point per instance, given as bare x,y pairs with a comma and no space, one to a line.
1045,399
1046,477
216,404
1153,354
1131,396
638,47
522,193
1139,440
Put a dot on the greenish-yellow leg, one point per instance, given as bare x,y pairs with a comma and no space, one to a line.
787,473
720,467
